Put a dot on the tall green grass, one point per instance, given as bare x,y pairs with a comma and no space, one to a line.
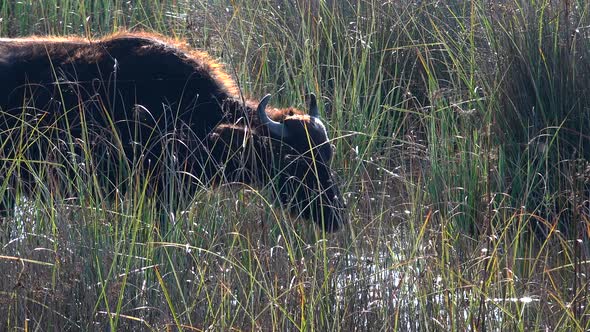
461,147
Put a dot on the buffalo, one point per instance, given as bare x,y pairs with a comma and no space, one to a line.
142,105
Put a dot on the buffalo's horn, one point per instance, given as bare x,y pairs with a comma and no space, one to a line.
313,106
276,129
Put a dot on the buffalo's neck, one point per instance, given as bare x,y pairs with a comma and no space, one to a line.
237,153
238,111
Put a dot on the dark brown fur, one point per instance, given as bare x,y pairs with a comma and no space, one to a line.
171,109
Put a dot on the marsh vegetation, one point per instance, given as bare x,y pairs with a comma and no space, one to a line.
461,147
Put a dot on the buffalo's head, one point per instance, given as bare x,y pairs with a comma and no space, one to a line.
305,181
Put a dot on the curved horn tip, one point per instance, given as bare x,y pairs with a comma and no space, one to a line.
275,128
313,106
266,97
262,106
264,101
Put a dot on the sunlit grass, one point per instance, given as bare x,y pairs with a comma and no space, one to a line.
461,148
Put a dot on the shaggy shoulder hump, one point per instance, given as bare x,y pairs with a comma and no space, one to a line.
202,60
12,48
